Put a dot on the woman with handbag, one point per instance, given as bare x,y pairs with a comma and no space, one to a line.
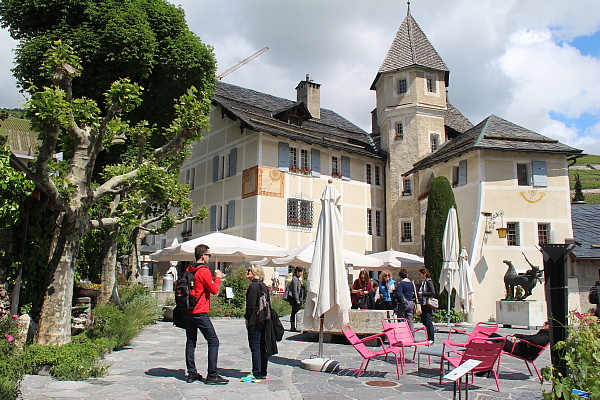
386,290
361,290
257,293
407,287
426,294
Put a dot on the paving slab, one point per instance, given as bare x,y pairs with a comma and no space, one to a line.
153,367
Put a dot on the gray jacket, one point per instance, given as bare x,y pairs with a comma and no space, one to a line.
295,290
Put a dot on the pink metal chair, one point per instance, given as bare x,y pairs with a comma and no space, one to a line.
359,345
481,330
527,361
486,350
399,334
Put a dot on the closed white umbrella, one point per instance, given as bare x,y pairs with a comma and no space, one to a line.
223,248
302,256
450,252
328,297
464,292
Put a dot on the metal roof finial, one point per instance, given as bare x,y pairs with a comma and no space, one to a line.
408,8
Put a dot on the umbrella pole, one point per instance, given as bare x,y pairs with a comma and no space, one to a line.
321,336
448,316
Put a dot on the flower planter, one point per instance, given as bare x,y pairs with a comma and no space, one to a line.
83,292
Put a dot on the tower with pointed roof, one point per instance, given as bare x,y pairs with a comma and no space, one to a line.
410,116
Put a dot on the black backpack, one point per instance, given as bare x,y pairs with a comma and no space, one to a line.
183,288
593,295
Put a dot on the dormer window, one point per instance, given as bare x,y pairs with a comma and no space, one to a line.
293,115
402,86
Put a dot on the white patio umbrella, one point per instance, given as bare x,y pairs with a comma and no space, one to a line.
464,292
223,248
328,297
302,256
397,259
450,251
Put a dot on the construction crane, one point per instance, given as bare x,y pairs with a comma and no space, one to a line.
245,61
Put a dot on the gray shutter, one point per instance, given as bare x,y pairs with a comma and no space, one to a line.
462,172
231,214
315,162
233,161
540,177
345,168
216,168
284,157
213,218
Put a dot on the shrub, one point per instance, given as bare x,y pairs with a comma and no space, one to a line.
111,324
11,371
236,279
281,306
221,307
143,309
128,293
581,351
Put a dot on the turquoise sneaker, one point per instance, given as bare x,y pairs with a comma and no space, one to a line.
249,378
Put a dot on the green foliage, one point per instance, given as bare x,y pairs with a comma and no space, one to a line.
235,278
579,196
89,261
128,293
581,351
281,306
222,307
11,371
441,315
14,188
441,198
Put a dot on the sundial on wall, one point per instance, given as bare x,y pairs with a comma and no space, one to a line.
264,181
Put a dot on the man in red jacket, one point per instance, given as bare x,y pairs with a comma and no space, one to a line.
198,318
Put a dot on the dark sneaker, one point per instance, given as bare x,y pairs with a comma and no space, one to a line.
260,377
216,380
193,377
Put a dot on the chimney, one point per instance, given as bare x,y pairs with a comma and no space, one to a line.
309,92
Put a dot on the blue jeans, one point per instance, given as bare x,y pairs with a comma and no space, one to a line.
427,320
194,322
259,360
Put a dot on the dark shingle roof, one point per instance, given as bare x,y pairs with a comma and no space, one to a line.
586,230
411,47
494,133
455,120
256,111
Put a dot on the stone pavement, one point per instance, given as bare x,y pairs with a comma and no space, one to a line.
153,367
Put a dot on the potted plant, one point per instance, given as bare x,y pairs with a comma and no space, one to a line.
407,238
86,288
337,175
406,192
399,136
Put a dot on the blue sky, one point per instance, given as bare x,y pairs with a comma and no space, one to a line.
533,63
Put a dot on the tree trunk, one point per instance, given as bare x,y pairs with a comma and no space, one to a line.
134,273
109,261
55,317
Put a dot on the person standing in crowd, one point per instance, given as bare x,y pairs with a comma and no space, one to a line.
361,290
295,296
408,291
255,327
386,289
426,290
204,286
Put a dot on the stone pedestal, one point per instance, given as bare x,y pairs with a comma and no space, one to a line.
528,313
363,322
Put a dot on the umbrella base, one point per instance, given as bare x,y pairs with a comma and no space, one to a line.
319,364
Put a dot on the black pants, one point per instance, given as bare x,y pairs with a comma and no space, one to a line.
295,308
193,323
427,320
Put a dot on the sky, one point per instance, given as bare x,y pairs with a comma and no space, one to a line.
535,63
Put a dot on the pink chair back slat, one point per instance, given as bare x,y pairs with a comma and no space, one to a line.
483,330
485,350
354,341
398,331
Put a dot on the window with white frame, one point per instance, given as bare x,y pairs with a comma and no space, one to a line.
543,232
190,177
186,228
378,175
512,235
434,141
369,222
335,166
222,216
299,213
378,226
369,173
533,174
304,159
402,86
399,133
406,231
293,157
431,84
406,187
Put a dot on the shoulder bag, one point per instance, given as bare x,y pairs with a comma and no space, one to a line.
416,303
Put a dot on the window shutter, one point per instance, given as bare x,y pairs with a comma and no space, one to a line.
216,168
462,172
315,162
345,168
213,218
232,161
284,157
231,214
540,177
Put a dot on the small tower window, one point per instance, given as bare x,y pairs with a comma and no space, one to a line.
402,86
435,142
431,85
399,131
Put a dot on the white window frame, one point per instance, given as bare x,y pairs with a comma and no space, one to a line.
397,79
294,157
434,138
401,226
304,163
394,129
431,81
336,165
407,189
378,223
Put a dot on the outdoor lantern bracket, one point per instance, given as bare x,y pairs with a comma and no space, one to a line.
490,222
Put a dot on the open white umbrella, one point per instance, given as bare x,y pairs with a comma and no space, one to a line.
223,248
397,259
302,256
450,252
328,297
464,292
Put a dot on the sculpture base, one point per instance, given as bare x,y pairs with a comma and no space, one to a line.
528,313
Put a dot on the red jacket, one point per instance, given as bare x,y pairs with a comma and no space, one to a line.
204,286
